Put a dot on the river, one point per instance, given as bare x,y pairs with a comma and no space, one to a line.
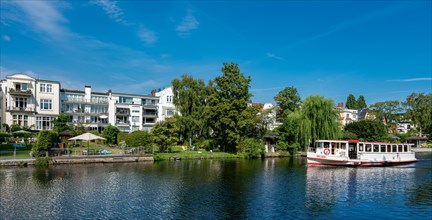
283,188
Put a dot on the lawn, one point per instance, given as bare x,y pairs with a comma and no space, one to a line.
201,154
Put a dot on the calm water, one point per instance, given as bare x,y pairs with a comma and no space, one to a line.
214,189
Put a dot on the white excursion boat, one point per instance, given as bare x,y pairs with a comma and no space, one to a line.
357,153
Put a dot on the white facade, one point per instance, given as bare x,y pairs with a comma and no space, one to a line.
166,107
29,102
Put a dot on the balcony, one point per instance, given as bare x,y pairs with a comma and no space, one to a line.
123,123
150,106
122,112
20,92
83,101
19,109
150,114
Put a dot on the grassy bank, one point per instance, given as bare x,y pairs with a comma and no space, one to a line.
193,155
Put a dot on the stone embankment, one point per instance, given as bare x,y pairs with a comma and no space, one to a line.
79,160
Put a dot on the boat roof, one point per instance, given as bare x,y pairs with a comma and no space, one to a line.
357,141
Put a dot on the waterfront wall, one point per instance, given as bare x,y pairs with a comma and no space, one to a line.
79,160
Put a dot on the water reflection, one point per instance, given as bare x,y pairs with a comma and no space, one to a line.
216,189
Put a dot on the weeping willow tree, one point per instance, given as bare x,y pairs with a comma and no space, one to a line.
323,118
190,99
316,119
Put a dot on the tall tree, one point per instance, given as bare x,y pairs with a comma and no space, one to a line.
351,102
387,112
322,116
361,102
288,99
190,97
60,123
226,104
295,130
419,111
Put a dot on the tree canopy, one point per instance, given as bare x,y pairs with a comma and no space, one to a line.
361,102
190,100
61,123
229,95
165,133
387,112
110,134
351,102
419,111
288,99
370,130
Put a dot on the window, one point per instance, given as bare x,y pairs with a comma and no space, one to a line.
347,116
361,147
21,87
49,88
21,102
169,99
399,148
42,87
375,148
21,120
45,104
368,147
44,123
170,112
406,148
389,148
394,148
123,99
383,148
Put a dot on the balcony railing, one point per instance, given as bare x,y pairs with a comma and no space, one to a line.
26,92
122,123
83,101
150,114
123,113
20,109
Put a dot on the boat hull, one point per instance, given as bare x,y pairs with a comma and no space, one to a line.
323,161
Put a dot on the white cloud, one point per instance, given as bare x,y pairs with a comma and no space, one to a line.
270,55
44,17
409,80
147,36
188,23
111,9
6,38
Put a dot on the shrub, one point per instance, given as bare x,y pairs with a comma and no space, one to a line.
110,134
138,139
44,142
251,148
122,136
42,161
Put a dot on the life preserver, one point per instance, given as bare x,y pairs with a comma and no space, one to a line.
326,151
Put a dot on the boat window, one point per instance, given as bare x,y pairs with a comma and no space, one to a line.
319,145
400,148
389,148
360,147
383,148
375,148
368,147
406,148
326,144
394,148
343,146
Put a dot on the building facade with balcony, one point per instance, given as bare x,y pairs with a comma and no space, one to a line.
166,108
29,102
34,103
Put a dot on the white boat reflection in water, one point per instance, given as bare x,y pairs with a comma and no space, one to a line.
356,153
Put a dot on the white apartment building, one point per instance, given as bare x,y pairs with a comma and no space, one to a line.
35,103
29,102
166,108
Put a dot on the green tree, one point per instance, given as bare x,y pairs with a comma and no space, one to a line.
138,139
44,142
110,134
190,100
295,131
61,123
361,102
369,130
387,112
323,118
351,102
165,133
227,101
419,111
288,99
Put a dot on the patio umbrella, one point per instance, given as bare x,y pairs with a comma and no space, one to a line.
87,137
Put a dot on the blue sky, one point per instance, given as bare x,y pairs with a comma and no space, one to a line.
379,49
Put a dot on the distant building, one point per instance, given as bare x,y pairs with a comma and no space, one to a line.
347,116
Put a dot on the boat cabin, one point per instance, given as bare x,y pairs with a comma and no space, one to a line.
353,149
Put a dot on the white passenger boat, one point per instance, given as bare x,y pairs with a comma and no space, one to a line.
357,153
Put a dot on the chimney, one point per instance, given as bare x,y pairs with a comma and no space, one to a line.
153,93
340,105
